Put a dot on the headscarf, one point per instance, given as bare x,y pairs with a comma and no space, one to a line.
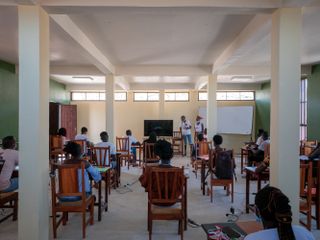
274,207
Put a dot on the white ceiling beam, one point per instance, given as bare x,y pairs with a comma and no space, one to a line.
166,3
247,70
122,83
298,3
27,2
75,70
254,32
97,57
201,83
162,70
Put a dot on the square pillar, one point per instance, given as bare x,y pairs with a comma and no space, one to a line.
33,219
212,105
110,107
285,83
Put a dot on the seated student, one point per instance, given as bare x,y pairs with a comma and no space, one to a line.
74,150
275,212
196,147
132,141
11,157
257,155
217,141
63,133
164,150
105,143
259,137
83,136
152,138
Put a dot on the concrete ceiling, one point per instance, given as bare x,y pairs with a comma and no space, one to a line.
167,43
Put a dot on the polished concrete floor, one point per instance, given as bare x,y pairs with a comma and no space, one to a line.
127,215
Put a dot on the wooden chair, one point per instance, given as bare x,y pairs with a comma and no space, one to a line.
101,157
166,187
122,146
69,186
177,143
223,175
306,185
148,153
201,154
56,142
307,146
8,200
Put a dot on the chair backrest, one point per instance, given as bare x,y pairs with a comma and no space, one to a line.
148,152
204,147
267,150
306,182
1,164
101,156
224,164
122,145
68,178
166,185
177,134
83,144
56,142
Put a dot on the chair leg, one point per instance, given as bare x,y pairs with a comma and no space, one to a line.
232,191
92,212
15,210
64,218
181,228
54,224
211,194
83,224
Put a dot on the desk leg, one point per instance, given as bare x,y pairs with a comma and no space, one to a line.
106,191
318,196
203,180
258,183
186,207
241,161
99,200
247,190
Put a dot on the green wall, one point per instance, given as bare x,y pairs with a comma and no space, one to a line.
313,118
263,107
58,93
9,98
9,101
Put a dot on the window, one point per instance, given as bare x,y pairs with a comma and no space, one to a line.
229,96
176,96
88,96
146,96
120,96
303,109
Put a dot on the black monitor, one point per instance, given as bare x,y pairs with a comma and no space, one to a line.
161,127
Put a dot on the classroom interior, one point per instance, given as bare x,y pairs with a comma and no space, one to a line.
82,54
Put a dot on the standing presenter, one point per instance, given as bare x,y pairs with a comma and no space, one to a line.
186,132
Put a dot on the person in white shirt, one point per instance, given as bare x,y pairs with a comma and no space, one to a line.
105,143
275,212
198,127
132,141
259,137
186,132
11,157
83,135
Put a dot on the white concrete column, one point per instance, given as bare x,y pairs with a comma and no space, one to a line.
110,107
161,105
33,219
212,106
285,80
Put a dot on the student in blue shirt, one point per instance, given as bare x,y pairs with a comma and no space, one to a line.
74,150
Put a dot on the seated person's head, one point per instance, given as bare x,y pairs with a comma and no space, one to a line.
265,136
84,130
128,132
217,140
153,137
275,211
200,137
104,136
260,131
183,118
73,149
8,142
163,149
62,132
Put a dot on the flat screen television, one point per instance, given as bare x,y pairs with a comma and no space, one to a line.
161,127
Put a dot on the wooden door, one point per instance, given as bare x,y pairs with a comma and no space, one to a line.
53,118
69,120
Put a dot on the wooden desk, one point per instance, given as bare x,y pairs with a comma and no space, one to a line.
252,175
243,228
244,156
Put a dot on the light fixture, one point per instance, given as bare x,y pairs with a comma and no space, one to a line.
83,78
242,79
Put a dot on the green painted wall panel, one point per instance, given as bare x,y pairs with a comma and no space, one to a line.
263,107
313,118
58,93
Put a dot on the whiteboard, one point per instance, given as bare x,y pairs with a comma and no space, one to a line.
232,119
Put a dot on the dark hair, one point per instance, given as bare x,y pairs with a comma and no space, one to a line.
8,142
62,132
274,209
260,131
74,149
163,149
152,137
104,136
217,139
128,132
84,130
265,136
200,137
